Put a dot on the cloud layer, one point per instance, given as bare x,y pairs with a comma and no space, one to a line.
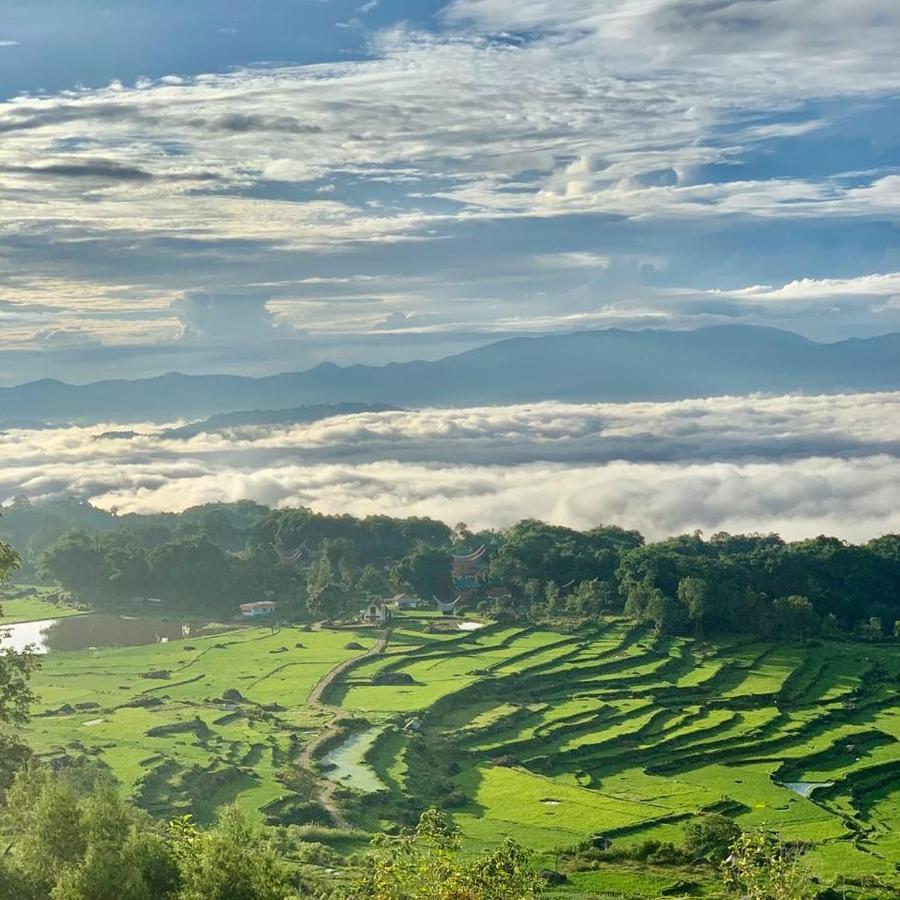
798,465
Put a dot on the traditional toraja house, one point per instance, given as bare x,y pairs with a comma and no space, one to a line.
297,558
469,569
376,613
447,607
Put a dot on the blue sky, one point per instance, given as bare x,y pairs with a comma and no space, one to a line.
260,186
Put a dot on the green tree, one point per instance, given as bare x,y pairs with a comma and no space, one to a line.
77,563
426,864
872,630
74,841
15,693
331,601
426,571
762,867
372,581
710,837
693,594
794,618
231,862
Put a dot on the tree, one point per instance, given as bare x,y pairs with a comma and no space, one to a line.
74,838
426,864
77,563
762,867
15,693
328,602
693,594
77,841
197,573
590,598
794,618
231,862
372,581
871,630
426,571
710,837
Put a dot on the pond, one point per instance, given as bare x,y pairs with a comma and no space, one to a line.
805,788
94,630
345,763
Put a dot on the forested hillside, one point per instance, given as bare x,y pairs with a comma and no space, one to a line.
209,559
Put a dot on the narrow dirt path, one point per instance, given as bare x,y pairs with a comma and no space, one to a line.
326,787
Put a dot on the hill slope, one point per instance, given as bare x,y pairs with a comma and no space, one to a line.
609,365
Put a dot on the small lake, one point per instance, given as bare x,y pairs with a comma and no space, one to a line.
94,630
345,763
805,788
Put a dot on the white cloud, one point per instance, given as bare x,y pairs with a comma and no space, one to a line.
873,285
799,465
524,110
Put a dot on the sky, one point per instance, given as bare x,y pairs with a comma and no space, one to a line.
260,185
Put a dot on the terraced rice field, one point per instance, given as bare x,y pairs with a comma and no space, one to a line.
551,738
542,736
174,742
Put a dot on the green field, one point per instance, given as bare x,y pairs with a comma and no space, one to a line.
539,735
173,742
33,608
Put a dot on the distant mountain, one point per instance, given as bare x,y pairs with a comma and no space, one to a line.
609,365
250,418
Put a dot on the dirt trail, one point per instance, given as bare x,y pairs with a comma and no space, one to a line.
305,760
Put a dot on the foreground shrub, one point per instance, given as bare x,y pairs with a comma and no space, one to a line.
74,838
763,867
425,864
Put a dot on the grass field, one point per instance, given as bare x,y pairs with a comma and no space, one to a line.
538,735
33,609
174,742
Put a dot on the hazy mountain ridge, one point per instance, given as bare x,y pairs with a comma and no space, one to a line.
609,365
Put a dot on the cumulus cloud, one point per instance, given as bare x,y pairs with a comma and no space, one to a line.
528,114
874,285
216,317
799,465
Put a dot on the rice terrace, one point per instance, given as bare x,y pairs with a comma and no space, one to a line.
594,741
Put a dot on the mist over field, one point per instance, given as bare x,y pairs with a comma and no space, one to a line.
798,465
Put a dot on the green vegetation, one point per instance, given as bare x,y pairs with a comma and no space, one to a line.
35,606
689,718
190,726
426,863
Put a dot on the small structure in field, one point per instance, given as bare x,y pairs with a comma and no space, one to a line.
376,613
405,601
255,610
447,607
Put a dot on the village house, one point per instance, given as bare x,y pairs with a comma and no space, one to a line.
255,610
405,601
376,613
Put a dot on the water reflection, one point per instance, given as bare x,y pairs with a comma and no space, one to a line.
94,630
346,764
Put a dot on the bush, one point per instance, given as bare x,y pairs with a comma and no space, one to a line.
710,837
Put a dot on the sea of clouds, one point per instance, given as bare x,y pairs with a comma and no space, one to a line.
799,465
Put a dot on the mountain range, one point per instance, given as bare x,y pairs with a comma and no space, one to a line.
607,365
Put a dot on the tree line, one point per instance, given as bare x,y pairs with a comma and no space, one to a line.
212,557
